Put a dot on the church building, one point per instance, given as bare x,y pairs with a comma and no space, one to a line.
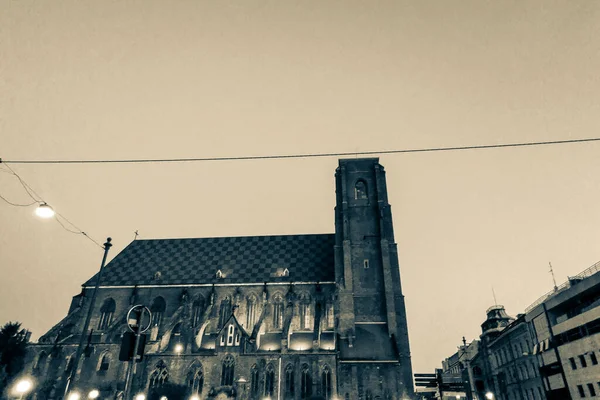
258,317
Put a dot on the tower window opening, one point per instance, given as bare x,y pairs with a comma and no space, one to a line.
360,190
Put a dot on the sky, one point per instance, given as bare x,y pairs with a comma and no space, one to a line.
164,79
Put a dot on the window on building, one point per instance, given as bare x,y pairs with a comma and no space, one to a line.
573,364
158,308
583,361
227,374
106,314
593,358
277,312
196,378
159,376
230,335
250,312
305,382
224,311
360,190
69,363
289,381
329,316
366,264
326,382
581,391
591,389
304,301
104,362
40,365
269,381
254,381
197,311
368,394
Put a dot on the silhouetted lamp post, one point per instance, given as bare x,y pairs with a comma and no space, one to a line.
86,325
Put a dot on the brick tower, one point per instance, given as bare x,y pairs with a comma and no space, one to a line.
371,315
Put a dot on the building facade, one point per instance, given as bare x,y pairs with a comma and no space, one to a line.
514,368
565,325
285,317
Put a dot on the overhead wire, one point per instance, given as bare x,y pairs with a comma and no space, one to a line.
39,200
307,155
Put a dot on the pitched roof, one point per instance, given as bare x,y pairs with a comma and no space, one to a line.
248,259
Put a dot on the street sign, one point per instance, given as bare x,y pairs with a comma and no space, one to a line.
135,318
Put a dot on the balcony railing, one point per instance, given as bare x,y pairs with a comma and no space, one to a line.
582,275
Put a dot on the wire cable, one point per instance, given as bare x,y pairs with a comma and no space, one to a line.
17,205
57,217
308,155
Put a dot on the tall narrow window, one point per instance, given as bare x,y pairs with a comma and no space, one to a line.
69,363
158,308
593,358
230,334
106,314
254,381
227,374
360,190
326,383
305,383
329,316
224,311
583,361
304,308
251,313
159,376
104,363
196,378
197,310
269,381
40,365
289,382
277,312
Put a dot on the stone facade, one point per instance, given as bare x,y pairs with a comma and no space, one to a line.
286,317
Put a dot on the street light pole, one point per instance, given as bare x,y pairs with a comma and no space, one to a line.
86,325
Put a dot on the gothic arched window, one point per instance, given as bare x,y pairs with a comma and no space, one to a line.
329,316
195,378
158,310
106,314
69,363
159,376
197,310
289,381
305,383
104,362
326,382
224,311
250,312
227,374
360,190
304,308
277,311
254,381
40,365
269,381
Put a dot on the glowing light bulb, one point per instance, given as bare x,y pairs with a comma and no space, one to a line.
93,394
44,211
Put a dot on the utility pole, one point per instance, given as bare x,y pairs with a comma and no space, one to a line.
86,325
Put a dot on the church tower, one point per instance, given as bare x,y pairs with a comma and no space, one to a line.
371,315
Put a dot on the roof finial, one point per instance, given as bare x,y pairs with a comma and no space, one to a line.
136,235
494,294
